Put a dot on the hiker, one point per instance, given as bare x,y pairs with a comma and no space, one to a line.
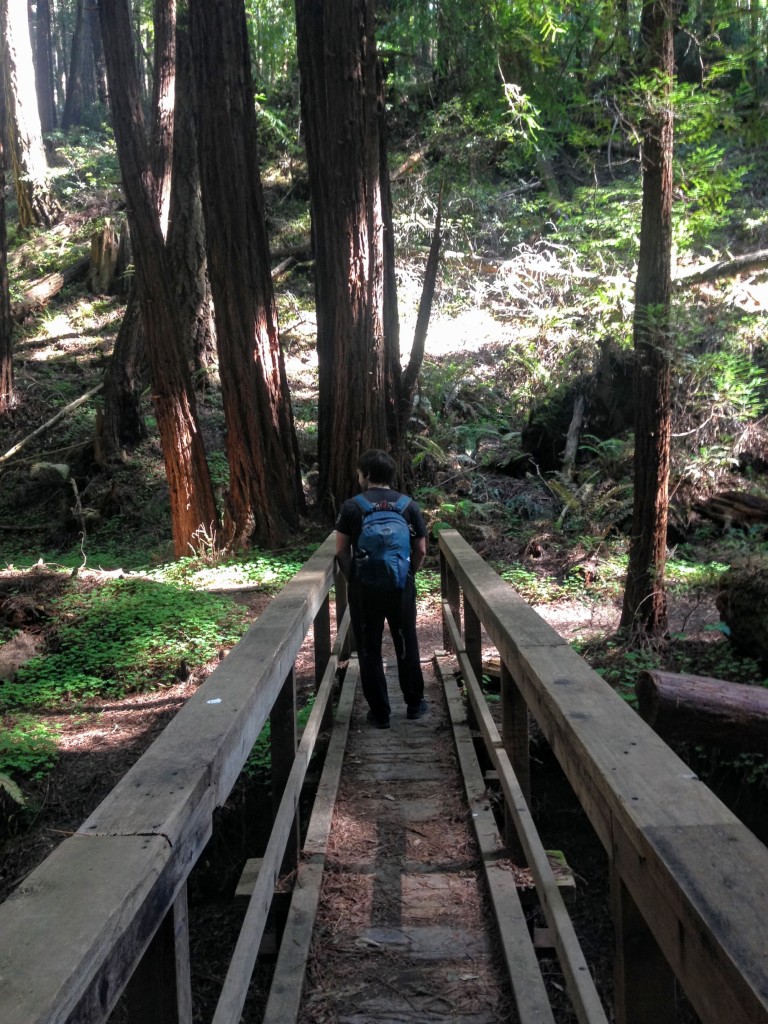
381,541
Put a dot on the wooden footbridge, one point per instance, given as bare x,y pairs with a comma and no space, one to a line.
402,853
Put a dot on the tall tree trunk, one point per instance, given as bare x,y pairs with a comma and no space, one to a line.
37,203
123,422
193,510
186,231
163,92
99,67
357,343
126,375
6,324
43,60
80,84
645,605
265,497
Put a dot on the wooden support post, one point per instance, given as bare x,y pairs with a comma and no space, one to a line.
160,991
449,588
283,743
473,647
322,640
516,740
341,607
644,985
322,637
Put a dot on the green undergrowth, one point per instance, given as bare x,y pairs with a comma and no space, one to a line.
27,748
107,638
621,662
264,570
125,636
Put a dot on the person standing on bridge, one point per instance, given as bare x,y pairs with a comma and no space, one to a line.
375,598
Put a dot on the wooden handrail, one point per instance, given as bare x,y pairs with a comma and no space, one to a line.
697,875
73,933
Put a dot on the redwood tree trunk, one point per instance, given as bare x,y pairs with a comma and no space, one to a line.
43,59
265,497
81,80
645,605
164,88
37,204
6,324
123,418
357,338
99,67
186,233
123,422
193,509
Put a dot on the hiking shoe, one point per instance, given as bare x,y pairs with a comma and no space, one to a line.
378,723
417,710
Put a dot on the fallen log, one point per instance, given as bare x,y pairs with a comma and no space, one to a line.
44,289
700,709
734,508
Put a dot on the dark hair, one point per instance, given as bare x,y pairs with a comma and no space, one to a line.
378,466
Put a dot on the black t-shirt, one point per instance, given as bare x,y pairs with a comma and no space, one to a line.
350,518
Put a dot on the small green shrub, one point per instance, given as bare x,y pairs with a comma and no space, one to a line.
536,588
427,583
27,748
622,667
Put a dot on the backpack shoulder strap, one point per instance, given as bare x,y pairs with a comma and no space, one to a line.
364,504
402,504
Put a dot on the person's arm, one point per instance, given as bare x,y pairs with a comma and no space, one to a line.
418,552
344,553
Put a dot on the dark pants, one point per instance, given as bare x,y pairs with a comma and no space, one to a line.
369,609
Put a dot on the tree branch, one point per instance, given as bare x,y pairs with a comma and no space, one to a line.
54,419
411,372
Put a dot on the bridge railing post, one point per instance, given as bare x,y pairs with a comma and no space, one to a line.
342,600
283,738
160,990
474,649
515,735
644,984
322,640
451,593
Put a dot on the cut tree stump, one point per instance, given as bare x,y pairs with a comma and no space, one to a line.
105,250
700,709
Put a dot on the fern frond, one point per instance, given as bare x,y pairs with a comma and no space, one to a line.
12,789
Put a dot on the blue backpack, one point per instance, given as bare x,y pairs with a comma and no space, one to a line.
383,549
